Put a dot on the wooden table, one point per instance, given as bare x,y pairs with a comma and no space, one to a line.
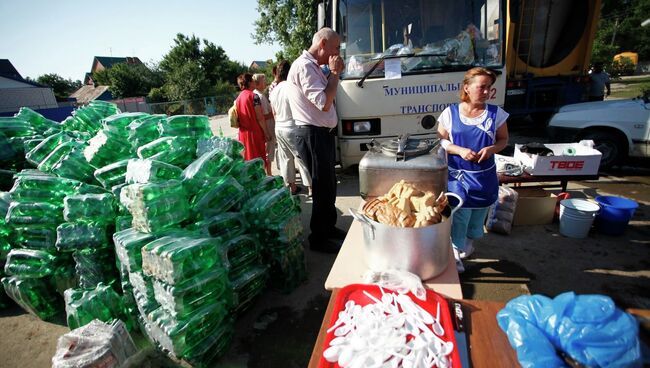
349,267
489,346
548,179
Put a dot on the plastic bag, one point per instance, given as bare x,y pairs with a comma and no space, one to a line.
508,165
501,213
232,116
588,328
398,280
96,344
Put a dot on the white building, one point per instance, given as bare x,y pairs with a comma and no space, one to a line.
16,92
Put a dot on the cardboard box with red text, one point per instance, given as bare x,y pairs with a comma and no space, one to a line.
535,206
584,161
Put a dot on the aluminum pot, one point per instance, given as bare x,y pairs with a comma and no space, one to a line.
424,251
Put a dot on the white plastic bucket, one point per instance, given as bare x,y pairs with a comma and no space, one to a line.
576,217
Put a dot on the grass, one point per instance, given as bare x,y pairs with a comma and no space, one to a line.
629,87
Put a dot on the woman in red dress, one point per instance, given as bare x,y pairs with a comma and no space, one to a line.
252,129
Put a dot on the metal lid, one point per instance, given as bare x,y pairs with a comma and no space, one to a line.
403,147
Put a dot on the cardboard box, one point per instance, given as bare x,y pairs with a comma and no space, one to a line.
535,206
586,160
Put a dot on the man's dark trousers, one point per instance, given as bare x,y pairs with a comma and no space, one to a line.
316,146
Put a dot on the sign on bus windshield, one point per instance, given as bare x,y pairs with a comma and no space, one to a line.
432,36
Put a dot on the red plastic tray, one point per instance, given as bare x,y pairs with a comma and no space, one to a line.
355,293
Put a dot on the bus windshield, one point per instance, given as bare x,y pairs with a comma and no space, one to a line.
432,36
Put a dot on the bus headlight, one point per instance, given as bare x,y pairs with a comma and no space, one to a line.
361,126
428,122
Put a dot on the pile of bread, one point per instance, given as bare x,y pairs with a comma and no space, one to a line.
407,206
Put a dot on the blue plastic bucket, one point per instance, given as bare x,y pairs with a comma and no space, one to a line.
576,217
615,214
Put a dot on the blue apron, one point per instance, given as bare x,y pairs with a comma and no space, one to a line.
476,183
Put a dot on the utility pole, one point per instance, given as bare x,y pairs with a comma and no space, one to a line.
614,34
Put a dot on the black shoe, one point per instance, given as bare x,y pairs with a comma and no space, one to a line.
337,234
325,246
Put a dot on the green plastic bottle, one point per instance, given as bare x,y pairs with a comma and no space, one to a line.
268,209
7,152
101,302
123,222
45,147
210,166
30,263
218,196
150,171
242,253
174,259
82,234
118,123
14,127
196,126
249,174
186,298
36,120
247,287
144,130
30,144
113,174
35,236
34,213
89,206
225,225
286,267
175,150
106,148
31,185
128,247
95,265
231,147
58,153
143,292
184,338
36,296
74,166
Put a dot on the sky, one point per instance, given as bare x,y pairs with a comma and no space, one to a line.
46,36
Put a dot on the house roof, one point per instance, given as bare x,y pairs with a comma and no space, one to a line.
88,93
7,70
109,61
259,63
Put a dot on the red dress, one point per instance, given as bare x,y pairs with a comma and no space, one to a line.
251,134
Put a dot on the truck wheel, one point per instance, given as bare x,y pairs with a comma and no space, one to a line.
610,146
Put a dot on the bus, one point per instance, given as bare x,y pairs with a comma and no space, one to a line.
405,60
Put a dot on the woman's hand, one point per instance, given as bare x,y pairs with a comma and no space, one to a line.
484,153
468,155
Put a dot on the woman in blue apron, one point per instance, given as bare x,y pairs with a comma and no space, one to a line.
472,132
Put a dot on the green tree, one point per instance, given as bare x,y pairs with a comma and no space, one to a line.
620,30
291,23
62,87
193,68
129,80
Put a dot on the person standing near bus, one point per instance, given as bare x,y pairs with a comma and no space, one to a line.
285,131
260,86
472,132
315,117
598,81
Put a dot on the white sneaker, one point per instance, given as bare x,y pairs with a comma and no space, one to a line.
469,249
459,263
